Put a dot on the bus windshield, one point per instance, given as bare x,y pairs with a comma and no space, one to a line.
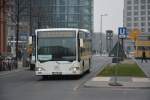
56,49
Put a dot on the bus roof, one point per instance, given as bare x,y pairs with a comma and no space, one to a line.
62,29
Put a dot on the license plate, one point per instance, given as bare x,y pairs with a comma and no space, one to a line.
39,72
56,73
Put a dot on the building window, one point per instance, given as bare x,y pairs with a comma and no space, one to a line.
148,12
142,29
148,23
142,24
143,1
129,8
143,18
129,18
136,13
143,7
136,1
129,2
148,6
136,18
128,13
148,29
143,12
148,18
135,24
74,2
128,24
135,7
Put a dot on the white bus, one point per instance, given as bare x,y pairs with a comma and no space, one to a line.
62,51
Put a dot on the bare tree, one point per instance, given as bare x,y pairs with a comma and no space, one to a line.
14,10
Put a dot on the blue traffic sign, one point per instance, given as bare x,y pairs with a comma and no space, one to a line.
122,32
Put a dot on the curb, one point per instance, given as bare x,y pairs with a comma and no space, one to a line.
133,82
126,85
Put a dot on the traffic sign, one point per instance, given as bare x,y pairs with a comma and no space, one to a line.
122,32
109,33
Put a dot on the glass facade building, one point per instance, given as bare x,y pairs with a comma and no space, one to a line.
58,14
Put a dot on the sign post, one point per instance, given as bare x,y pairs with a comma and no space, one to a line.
122,34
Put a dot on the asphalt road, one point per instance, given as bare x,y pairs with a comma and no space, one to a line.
24,85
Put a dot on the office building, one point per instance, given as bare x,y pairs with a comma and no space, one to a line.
137,15
56,14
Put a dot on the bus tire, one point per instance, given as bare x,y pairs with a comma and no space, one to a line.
83,63
44,77
88,71
32,67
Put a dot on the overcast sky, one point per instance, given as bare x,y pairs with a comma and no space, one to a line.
114,10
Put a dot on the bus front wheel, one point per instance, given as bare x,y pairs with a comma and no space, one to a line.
44,77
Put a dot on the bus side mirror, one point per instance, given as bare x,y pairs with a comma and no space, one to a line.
81,42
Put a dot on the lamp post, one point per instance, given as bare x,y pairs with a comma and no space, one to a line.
101,31
30,19
17,30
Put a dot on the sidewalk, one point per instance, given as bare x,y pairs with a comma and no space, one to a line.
20,68
126,82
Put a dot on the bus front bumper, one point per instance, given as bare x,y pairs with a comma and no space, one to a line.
40,73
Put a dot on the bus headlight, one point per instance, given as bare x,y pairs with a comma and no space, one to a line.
40,69
74,69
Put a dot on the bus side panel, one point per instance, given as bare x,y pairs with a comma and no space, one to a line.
84,52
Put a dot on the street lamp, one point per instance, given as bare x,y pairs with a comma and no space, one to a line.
101,31
17,30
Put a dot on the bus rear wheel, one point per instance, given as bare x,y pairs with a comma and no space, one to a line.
88,71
